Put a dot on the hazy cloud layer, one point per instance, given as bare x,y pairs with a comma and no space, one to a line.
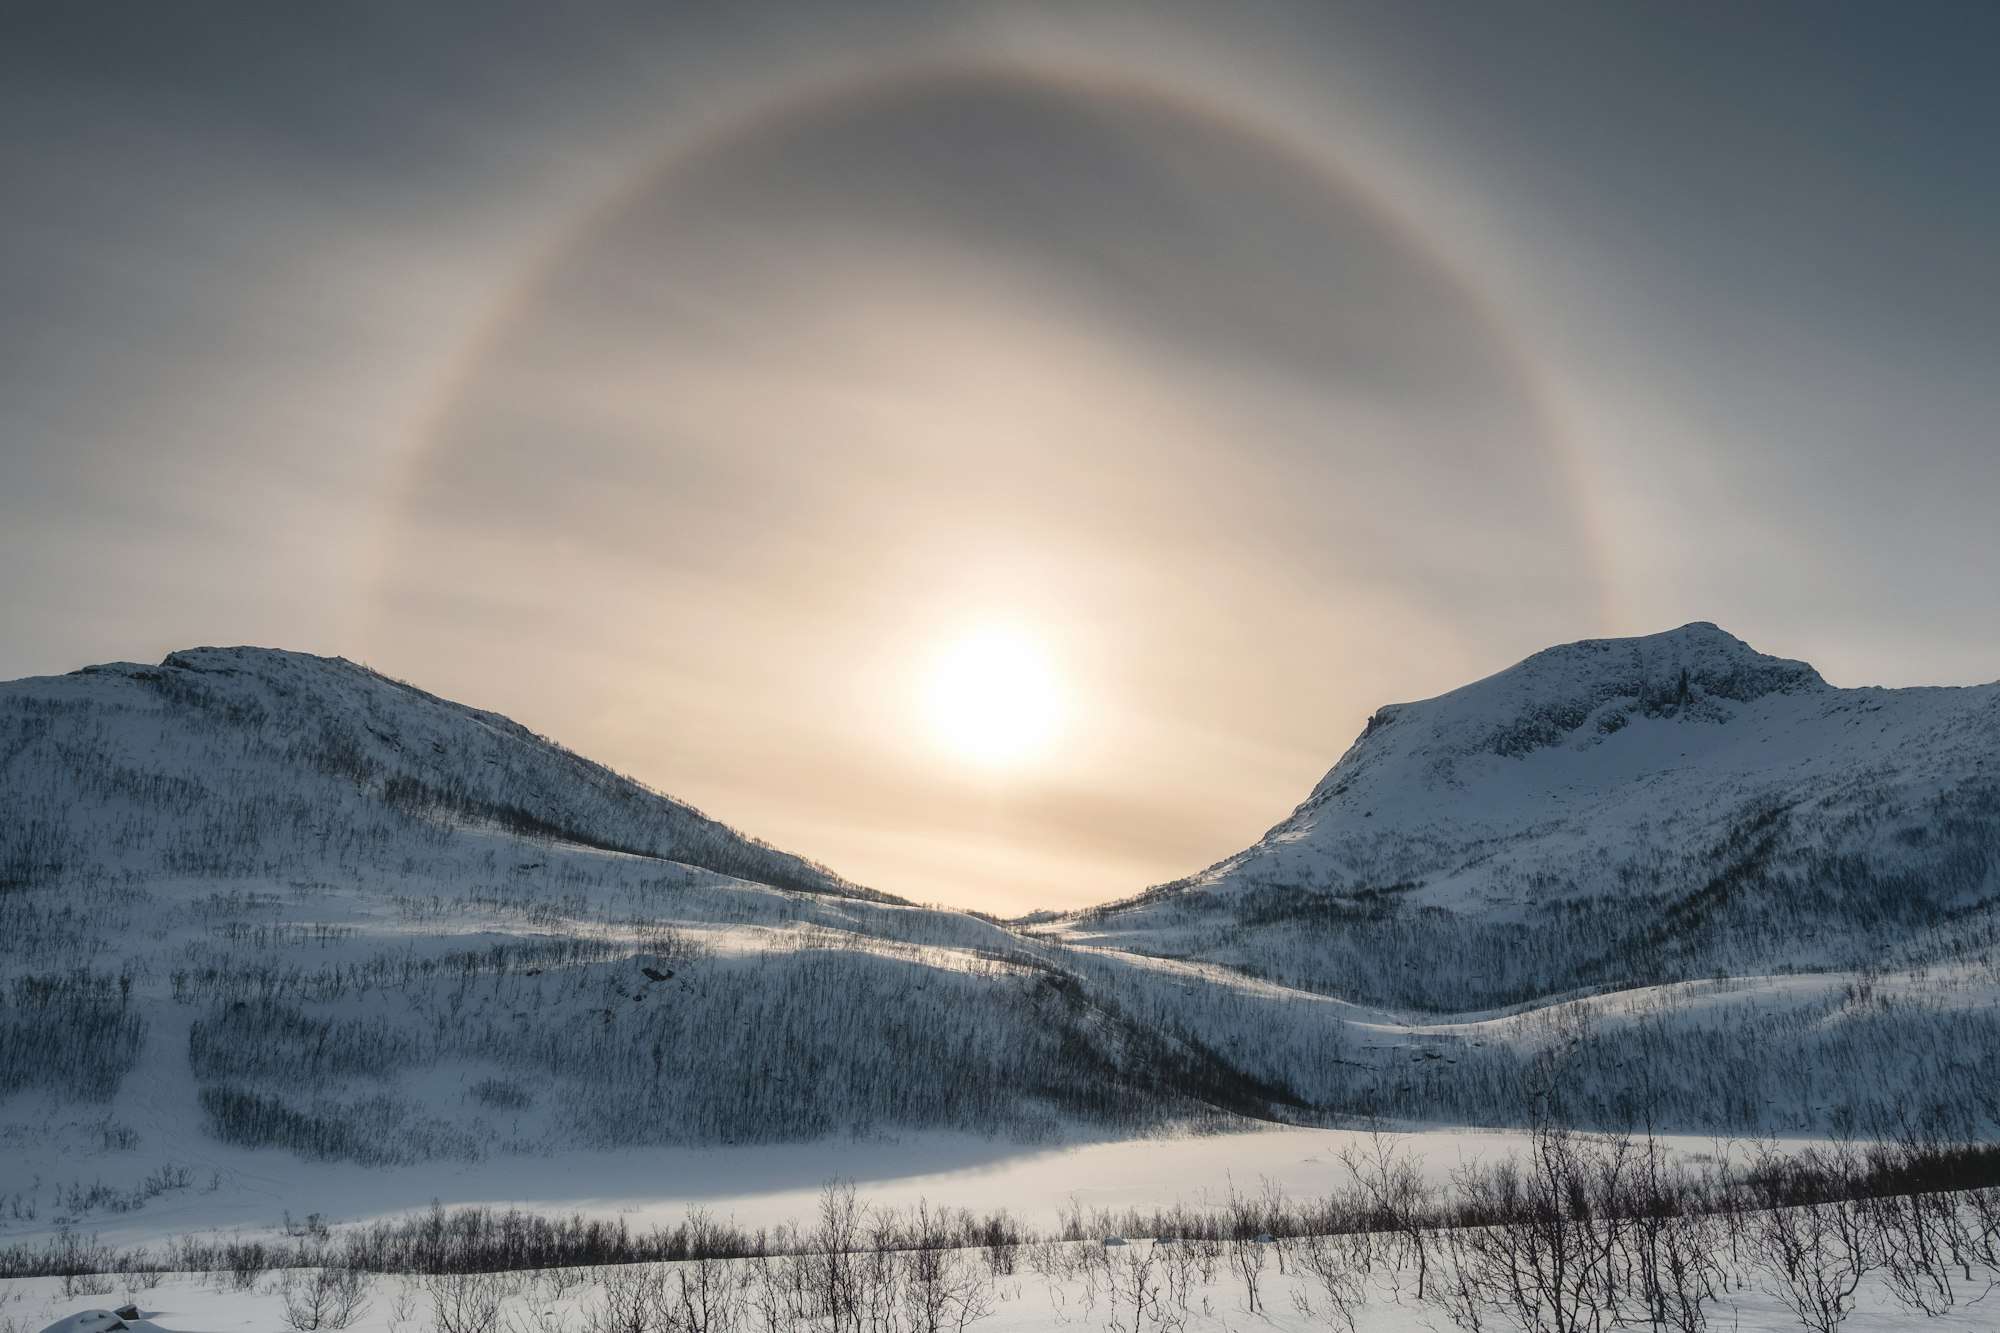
679,381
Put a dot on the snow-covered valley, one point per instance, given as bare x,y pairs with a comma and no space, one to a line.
279,935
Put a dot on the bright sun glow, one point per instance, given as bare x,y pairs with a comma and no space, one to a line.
993,697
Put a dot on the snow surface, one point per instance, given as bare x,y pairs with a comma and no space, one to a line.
770,1184
1022,1302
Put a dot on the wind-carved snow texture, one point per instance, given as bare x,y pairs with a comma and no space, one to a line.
261,903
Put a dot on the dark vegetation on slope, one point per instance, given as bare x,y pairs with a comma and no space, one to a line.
77,1034
791,1047
1774,892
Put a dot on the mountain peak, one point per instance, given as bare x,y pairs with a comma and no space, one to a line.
1675,666
245,656
269,664
1572,694
1701,645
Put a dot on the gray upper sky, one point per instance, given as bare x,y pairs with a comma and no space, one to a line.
683,381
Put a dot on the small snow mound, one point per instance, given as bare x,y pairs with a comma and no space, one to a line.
95,1321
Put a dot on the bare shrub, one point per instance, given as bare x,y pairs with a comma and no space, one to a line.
1814,1252
245,1263
333,1297
707,1298
1246,1257
1001,1237
1335,1269
777,1288
1392,1199
465,1302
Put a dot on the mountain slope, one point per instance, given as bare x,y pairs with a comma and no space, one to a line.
257,900
206,761
1611,811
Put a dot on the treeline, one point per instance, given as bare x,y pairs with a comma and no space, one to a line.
441,1241
789,1046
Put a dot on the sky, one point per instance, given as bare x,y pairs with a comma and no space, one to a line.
1002,451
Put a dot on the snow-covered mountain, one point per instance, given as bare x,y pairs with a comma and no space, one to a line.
267,900
258,904
1609,811
226,762
1507,790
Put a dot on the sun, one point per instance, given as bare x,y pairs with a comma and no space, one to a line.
992,696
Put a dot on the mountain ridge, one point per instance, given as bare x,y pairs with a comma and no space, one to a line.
405,747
